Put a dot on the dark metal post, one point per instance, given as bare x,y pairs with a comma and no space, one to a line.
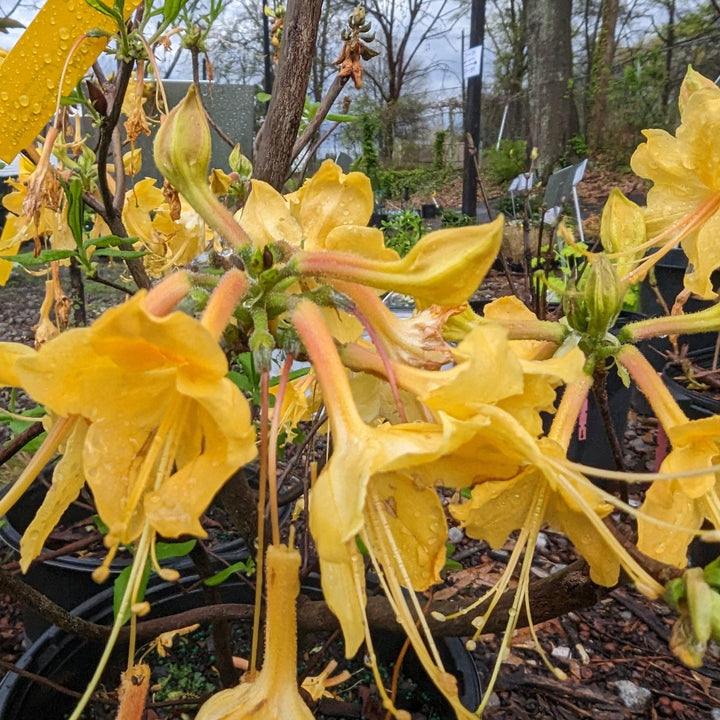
472,113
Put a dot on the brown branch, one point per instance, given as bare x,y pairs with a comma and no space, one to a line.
327,102
20,441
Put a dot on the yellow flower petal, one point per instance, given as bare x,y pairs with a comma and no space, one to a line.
67,481
266,217
331,199
30,74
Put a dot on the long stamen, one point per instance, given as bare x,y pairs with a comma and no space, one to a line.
688,224
272,448
58,433
526,540
136,571
644,582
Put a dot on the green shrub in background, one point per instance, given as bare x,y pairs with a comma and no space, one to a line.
419,180
402,230
453,218
509,160
368,162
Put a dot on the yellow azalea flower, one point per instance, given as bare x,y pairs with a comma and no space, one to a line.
361,485
445,267
684,202
31,73
496,508
176,242
330,211
522,387
141,203
675,507
157,381
682,504
301,401
271,694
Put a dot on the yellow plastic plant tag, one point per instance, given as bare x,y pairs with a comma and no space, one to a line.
31,73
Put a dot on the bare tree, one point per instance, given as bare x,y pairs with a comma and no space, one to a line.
600,72
403,29
507,30
553,116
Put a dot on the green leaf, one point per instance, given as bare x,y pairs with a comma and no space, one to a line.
112,252
675,592
28,259
242,381
101,7
120,586
453,565
171,9
76,210
247,568
107,241
263,97
165,551
341,117
712,573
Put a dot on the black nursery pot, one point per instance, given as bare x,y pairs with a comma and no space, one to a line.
693,403
429,211
590,444
669,275
70,661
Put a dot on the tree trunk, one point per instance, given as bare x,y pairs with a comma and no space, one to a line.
601,72
553,116
274,143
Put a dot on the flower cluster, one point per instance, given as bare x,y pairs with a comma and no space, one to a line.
442,416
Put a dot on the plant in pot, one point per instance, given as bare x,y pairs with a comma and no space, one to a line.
142,409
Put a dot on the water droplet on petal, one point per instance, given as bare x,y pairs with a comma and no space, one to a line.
24,100
64,33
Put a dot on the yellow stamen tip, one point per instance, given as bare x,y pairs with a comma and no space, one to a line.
141,608
438,616
100,574
169,575
471,646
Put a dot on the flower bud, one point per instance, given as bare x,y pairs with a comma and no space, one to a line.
183,145
603,296
240,164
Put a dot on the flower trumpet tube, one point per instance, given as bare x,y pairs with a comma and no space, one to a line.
707,320
182,154
417,340
273,693
444,267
